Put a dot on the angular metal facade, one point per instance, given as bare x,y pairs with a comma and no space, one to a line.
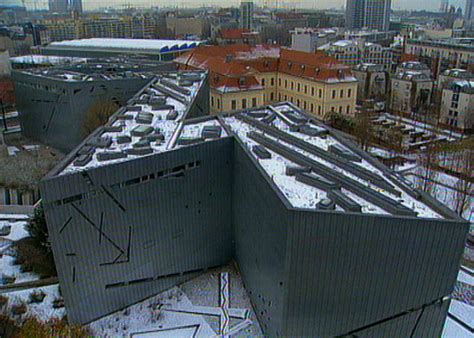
124,232
308,273
348,271
53,111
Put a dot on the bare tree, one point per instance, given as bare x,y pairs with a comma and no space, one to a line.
427,161
97,115
363,130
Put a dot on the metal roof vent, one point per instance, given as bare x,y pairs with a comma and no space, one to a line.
326,204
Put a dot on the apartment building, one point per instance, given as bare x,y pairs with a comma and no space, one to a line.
310,39
372,14
457,105
413,66
137,26
243,77
246,15
185,26
354,52
411,90
449,76
238,36
443,54
371,81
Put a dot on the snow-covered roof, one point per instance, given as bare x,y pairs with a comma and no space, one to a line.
310,165
46,59
410,75
464,86
313,168
150,124
157,46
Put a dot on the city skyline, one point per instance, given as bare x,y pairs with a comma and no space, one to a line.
319,4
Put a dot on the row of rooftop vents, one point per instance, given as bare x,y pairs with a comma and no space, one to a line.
155,96
315,174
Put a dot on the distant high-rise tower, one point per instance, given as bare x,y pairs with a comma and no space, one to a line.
372,14
444,6
469,11
58,6
75,6
246,15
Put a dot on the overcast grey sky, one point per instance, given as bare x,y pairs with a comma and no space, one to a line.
93,4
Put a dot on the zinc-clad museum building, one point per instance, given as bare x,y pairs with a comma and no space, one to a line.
329,242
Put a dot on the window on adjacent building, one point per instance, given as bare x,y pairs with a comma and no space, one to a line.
333,94
299,87
319,110
298,102
348,109
254,102
349,92
340,110
263,82
272,81
279,82
244,103
292,85
272,96
6,196
218,104
306,89
286,83
342,93
312,91
234,104
212,101
320,93
304,105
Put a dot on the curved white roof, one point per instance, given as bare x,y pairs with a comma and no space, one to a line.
139,44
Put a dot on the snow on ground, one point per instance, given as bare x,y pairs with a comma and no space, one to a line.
442,192
7,253
14,216
18,230
145,317
44,310
153,317
465,278
454,330
462,311
204,291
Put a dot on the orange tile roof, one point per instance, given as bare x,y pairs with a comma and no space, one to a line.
228,64
317,66
236,33
409,57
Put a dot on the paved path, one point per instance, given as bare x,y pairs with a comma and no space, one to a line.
28,285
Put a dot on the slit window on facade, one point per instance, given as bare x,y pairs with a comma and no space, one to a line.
175,172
